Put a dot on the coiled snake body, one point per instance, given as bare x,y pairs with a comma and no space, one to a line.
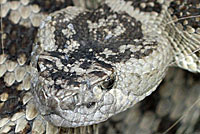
87,66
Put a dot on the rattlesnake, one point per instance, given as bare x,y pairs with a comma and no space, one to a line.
92,64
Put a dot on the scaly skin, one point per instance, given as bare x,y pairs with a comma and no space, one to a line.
127,44
91,65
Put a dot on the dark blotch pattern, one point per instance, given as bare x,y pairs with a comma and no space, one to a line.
52,5
97,41
14,102
19,40
94,42
185,9
156,8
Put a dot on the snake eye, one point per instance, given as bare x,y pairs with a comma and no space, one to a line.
108,83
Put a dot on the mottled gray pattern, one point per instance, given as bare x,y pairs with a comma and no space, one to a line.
86,66
95,64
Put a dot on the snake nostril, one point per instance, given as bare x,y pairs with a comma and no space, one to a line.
91,104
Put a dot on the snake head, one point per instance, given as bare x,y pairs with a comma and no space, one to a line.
80,99
90,65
